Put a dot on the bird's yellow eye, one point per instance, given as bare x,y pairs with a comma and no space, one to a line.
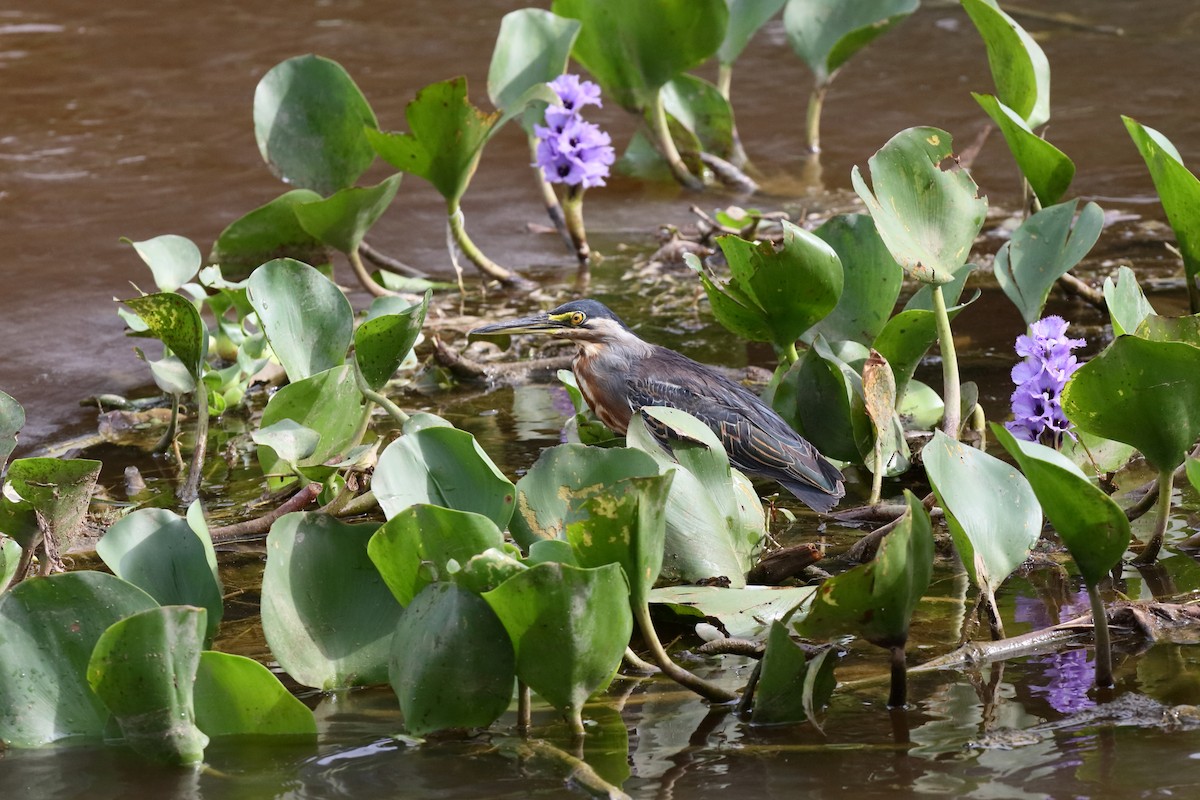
577,318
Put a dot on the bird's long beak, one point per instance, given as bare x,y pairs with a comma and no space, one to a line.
538,323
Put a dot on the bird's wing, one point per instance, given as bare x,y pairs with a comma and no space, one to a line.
757,439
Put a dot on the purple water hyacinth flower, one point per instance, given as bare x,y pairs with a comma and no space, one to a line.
570,150
1040,378
574,93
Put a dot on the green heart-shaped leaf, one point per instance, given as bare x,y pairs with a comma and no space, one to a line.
317,583
1127,305
532,47
309,118
174,260
560,473
1040,251
715,521
827,33
383,341
1179,191
1143,393
745,18
791,688
991,510
414,547
1089,522
57,490
452,662
568,626
306,317
268,232
784,292
704,113
624,523
876,600
143,668
159,552
328,403
237,696
871,281
1019,67
342,220
48,628
446,138
926,209
174,321
442,467
633,48
1047,168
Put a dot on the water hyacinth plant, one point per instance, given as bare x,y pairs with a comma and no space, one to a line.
573,152
1040,378
464,591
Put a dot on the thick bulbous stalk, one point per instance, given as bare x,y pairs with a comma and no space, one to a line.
364,277
1104,676
573,210
666,145
1166,481
950,387
458,231
191,488
709,691
812,122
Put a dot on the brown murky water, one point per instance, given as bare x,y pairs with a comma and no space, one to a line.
126,119
134,120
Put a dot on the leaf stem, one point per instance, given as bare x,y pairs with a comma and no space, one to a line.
724,80
1104,676
191,488
708,691
812,126
1165,485
364,277
951,391
550,198
877,471
524,708
898,696
387,405
573,210
458,231
666,145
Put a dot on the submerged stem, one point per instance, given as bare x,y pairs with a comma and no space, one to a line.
672,670
898,696
812,127
1166,483
951,391
191,489
666,145
1104,676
